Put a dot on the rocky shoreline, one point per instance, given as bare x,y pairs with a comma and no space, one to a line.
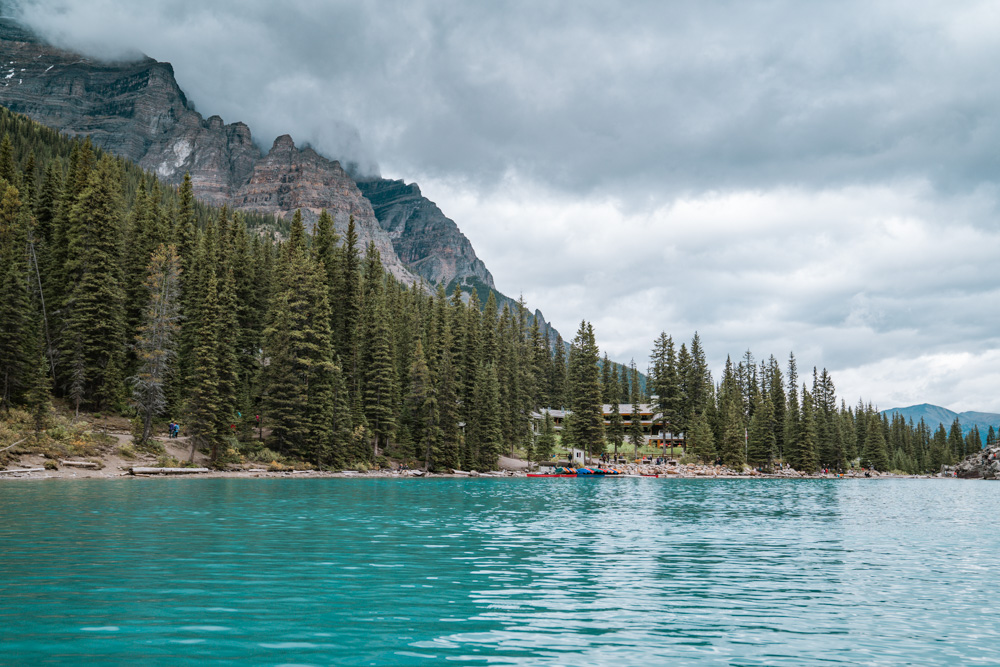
983,465
680,471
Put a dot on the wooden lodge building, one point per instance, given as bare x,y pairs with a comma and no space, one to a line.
650,421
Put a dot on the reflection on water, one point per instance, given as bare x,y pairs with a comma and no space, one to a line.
504,571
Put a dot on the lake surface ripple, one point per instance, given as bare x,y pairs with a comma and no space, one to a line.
500,571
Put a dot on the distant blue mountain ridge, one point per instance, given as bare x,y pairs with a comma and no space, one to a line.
935,414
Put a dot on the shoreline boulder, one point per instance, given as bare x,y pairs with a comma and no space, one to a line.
984,464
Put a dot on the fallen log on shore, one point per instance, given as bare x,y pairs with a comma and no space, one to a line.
79,464
11,472
141,470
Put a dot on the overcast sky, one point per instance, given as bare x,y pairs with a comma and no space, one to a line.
807,176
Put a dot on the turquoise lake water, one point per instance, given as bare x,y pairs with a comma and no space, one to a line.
500,571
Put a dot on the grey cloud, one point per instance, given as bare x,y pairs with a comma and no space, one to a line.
634,97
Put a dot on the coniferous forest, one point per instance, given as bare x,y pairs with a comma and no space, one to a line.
119,294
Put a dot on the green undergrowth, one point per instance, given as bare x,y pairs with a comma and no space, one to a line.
61,437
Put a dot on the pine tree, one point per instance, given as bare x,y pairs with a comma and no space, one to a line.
624,385
95,304
156,339
448,453
8,170
484,435
423,406
761,443
803,453
140,241
378,362
874,455
557,384
792,414
666,383
28,184
776,391
325,241
38,392
956,443
304,397
203,395
615,430
540,365
685,408
698,384
348,310
700,439
185,235
320,374
939,455
732,450
635,434
16,312
585,391
228,363
545,444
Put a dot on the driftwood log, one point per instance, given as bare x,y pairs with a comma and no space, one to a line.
140,470
79,464
11,472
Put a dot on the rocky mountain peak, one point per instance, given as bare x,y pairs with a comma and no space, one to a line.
283,143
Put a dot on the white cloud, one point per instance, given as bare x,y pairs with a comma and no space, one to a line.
968,379
846,278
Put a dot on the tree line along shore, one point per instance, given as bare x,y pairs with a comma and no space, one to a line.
120,295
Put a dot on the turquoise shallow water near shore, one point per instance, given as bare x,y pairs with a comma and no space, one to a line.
499,571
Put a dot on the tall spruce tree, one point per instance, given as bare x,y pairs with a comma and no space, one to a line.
761,443
701,440
156,339
585,391
545,443
874,455
378,361
16,310
803,454
635,435
203,393
94,308
422,403
483,432
733,446
615,430
792,414
956,443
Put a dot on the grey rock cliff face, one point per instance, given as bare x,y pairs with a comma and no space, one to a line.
133,109
289,178
429,243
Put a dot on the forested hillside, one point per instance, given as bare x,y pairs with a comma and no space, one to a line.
121,294
118,294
